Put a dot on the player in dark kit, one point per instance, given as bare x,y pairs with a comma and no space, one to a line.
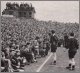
53,42
72,46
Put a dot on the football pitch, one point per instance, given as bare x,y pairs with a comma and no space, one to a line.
44,63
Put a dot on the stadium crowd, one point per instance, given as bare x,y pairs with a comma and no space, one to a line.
22,42
15,57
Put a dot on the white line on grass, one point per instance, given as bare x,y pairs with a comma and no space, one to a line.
38,70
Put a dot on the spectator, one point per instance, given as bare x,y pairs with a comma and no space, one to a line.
36,46
66,40
5,63
14,61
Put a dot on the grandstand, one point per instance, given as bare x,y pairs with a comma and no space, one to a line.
26,41
22,10
27,29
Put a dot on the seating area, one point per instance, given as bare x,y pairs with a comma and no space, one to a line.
25,40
